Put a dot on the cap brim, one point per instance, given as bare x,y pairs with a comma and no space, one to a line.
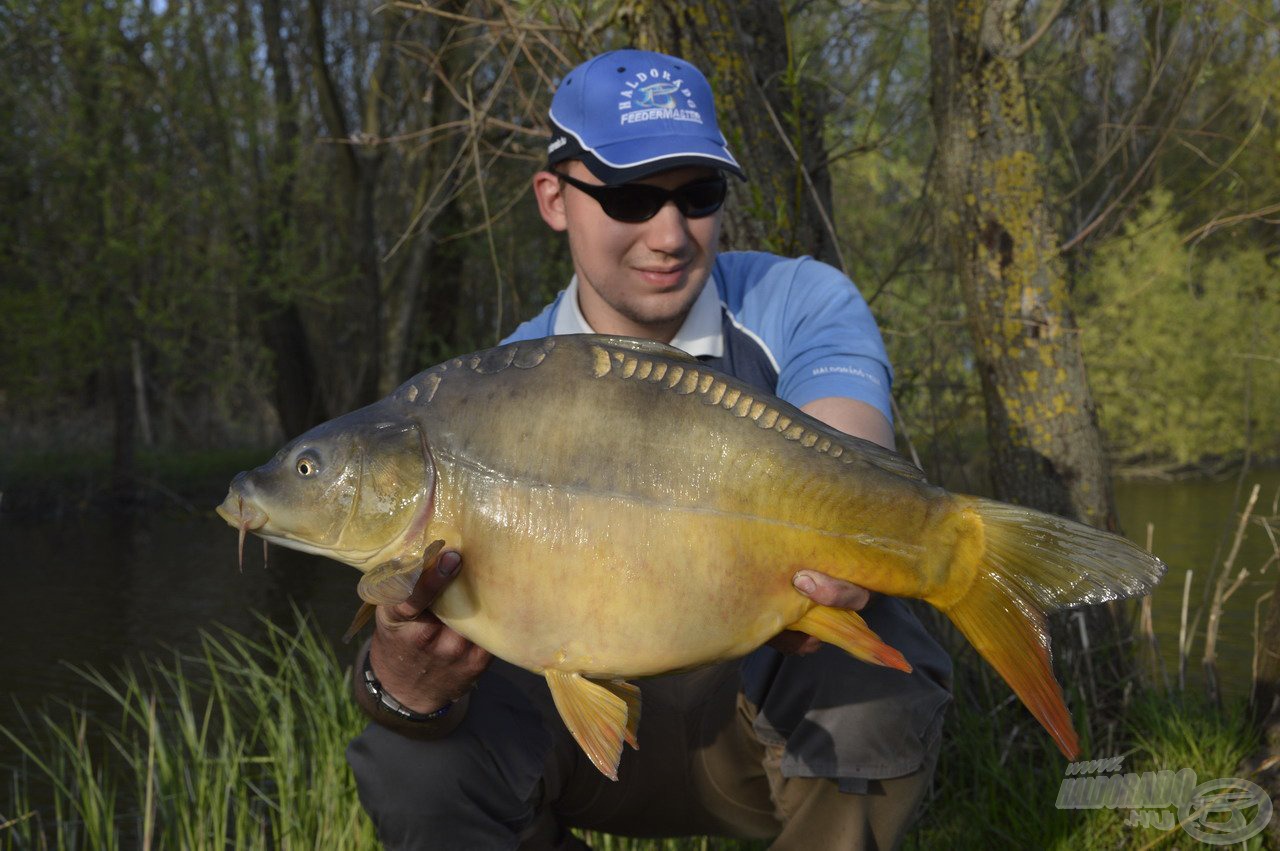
622,162
637,157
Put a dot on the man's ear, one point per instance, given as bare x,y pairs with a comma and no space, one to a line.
549,190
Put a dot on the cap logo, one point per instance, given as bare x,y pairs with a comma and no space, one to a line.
652,94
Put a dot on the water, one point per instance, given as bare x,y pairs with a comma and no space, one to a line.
102,592
1192,521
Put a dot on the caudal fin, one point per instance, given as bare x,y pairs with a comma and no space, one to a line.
1034,563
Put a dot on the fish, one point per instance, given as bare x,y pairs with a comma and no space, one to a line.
624,511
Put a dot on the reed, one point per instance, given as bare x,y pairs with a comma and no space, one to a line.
237,746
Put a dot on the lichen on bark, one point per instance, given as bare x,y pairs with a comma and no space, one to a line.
1042,428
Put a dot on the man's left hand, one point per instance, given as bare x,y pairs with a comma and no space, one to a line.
825,591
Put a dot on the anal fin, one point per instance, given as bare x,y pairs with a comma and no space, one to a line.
631,695
392,582
847,630
596,716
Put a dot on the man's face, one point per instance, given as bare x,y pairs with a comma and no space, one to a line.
635,279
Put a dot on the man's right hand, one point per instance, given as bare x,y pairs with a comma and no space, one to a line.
421,662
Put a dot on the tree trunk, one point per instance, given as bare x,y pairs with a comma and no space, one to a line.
359,158
297,396
771,119
421,265
1041,423
1046,449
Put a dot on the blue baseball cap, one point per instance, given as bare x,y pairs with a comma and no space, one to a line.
630,113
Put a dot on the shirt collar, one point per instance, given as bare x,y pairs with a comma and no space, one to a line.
701,335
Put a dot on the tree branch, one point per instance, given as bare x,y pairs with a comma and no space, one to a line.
1021,49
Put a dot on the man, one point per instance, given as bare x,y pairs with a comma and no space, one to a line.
799,742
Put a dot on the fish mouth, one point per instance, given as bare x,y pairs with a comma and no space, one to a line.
243,515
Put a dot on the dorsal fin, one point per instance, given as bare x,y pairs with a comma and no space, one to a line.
634,344
868,452
885,459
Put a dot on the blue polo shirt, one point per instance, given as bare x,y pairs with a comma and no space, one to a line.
796,326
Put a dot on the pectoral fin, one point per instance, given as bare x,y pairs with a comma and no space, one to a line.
596,714
363,616
848,631
392,582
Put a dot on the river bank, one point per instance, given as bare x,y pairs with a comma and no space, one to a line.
239,744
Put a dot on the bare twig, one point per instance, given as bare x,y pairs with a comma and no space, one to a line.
808,181
1216,224
1040,31
1147,627
1088,659
1222,593
484,207
902,427
1258,648
427,8
1182,635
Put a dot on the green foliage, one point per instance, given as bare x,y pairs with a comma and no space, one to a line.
114,258
169,198
1180,341
239,746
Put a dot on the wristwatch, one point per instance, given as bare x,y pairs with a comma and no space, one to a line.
389,703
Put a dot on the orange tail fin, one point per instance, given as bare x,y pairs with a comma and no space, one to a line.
1013,638
1033,563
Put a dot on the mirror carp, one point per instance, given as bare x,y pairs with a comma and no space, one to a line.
624,511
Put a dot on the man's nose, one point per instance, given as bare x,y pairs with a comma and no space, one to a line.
668,230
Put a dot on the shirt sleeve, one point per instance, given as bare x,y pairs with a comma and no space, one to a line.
542,325
833,347
826,338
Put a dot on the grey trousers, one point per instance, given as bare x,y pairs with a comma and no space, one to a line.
511,776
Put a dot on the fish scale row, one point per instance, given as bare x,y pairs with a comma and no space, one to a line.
713,391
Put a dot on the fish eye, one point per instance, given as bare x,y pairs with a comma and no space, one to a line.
307,466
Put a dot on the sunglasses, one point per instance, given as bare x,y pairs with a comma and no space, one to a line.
639,202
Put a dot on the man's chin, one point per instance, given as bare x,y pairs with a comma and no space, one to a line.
663,306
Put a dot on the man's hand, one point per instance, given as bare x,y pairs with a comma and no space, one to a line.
826,591
420,661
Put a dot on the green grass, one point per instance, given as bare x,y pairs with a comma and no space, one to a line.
997,786
607,842
241,746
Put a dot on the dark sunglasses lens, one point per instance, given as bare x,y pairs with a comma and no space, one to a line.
632,203
638,202
700,199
